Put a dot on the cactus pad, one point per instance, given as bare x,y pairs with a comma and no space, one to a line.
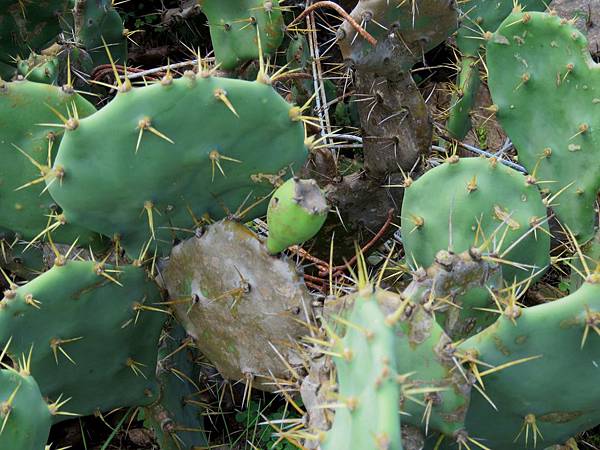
546,88
151,179
458,205
477,17
96,23
176,418
404,32
233,29
24,415
241,304
366,416
94,340
557,338
25,149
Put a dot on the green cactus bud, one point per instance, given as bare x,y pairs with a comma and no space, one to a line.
297,211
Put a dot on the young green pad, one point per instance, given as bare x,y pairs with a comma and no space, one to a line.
39,68
366,413
552,396
233,29
297,211
25,417
546,88
27,149
94,341
157,158
476,202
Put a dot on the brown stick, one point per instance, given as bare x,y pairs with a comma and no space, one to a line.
326,4
314,279
321,265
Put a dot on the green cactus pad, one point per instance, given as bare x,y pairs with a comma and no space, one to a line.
547,91
177,418
555,392
24,106
92,339
297,211
367,417
24,415
459,122
480,16
458,194
233,29
420,346
477,17
157,158
96,23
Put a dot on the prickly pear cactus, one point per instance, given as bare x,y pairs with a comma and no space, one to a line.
297,211
477,18
458,205
159,178
94,332
368,383
39,68
469,81
523,413
98,27
540,69
235,27
434,395
28,144
176,417
25,416
27,25
403,32
242,305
